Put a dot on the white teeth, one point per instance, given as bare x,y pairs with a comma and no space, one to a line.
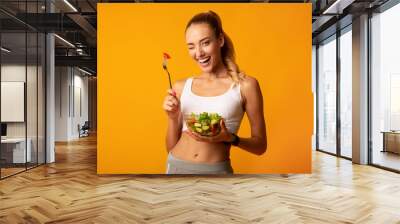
204,60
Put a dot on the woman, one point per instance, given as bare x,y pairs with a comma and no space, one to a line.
220,88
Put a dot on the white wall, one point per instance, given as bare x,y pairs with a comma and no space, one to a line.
71,87
62,78
12,73
12,101
92,90
80,83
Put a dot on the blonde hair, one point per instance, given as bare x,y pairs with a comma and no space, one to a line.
227,50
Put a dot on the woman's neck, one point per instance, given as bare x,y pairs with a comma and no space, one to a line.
219,72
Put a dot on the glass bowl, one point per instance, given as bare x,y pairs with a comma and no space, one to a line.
205,124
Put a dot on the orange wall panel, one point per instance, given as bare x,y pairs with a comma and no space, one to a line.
272,43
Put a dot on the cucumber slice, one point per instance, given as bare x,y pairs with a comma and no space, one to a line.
199,130
205,128
197,124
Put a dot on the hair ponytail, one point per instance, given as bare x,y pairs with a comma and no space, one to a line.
228,57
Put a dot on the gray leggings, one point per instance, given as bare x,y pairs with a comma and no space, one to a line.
178,166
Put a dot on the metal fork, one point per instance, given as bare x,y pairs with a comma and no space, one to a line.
166,69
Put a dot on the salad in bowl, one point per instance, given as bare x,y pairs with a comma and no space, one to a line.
205,124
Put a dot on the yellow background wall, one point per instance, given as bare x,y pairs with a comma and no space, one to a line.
273,44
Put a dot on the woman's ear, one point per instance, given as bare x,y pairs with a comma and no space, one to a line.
221,40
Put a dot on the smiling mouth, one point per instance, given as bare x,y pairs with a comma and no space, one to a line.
204,61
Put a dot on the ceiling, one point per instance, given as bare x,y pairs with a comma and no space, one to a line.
76,22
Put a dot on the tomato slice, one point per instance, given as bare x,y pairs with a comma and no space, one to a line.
166,56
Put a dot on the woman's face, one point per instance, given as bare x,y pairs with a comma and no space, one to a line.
204,47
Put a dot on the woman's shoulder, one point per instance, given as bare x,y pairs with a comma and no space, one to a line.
249,88
179,85
248,82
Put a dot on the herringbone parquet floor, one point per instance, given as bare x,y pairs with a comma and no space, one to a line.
69,191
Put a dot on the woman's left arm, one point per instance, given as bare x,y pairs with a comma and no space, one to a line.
253,104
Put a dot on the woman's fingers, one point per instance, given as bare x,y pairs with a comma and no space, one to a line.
199,137
173,100
171,92
193,135
223,126
172,97
170,108
171,103
189,133
167,108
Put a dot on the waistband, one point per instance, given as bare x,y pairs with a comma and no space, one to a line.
206,167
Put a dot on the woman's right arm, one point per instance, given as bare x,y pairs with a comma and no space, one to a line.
174,132
171,106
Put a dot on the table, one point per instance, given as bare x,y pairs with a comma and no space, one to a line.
391,141
15,148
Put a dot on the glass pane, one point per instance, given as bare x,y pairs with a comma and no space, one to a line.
41,98
346,94
14,150
386,88
22,63
32,91
327,96
32,95
314,73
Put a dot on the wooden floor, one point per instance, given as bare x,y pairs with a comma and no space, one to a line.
387,159
69,191
5,172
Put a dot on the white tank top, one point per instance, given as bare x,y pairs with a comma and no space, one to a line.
228,105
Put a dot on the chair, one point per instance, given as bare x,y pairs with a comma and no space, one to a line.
84,130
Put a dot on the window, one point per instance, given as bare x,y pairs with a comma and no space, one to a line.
385,88
346,93
327,95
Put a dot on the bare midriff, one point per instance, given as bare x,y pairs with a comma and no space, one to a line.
192,150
